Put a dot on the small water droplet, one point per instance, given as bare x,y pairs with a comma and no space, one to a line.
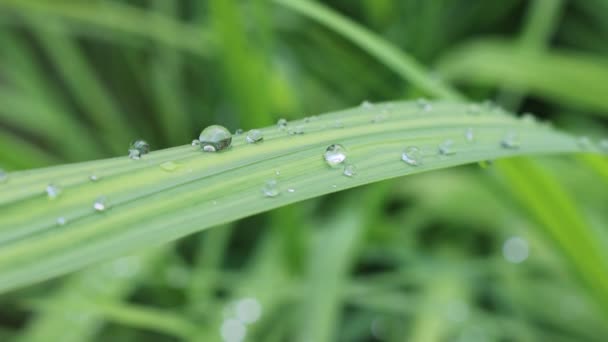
334,155
94,178
3,176
138,148
511,141
61,221
53,191
366,104
271,188
215,138
169,166
469,135
196,143
412,156
238,131
334,186
424,105
254,136
350,170
291,190
446,148
282,124
100,204
277,172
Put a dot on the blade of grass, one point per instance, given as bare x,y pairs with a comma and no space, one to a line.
149,205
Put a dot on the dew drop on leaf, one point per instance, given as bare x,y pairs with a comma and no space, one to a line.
169,166
254,136
215,138
271,188
61,221
334,155
138,148
100,204
424,105
53,191
94,178
510,141
291,190
446,148
282,124
412,156
350,170
196,143
469,135
238,131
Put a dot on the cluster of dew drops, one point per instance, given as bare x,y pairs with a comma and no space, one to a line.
216,138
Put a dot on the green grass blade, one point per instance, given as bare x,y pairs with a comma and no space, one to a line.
402,63
568,78
148,205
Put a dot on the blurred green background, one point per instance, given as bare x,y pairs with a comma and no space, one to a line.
454,255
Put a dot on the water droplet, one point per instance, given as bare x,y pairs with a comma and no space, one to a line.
3,176
248,310
350,170
233,330
238,131
291,190
61,221
53,191
196,143
277,172
510,141
366,104
584,142
334,186
100,204
215,138
138,148
515,249
424,105
94,178
169,166
446,148
282,124
299,129
469,135
334,155
412,156
604,145
271,188
254,136
383,116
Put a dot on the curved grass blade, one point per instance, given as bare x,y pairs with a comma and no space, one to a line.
148,205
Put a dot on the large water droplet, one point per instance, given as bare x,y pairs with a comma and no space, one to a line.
215,138
469,135
138,148
3,176
254,136
446,148
169,166
334,155
412,156
271,188
100,204
282,124
515,249
350,170
511,141
53,191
